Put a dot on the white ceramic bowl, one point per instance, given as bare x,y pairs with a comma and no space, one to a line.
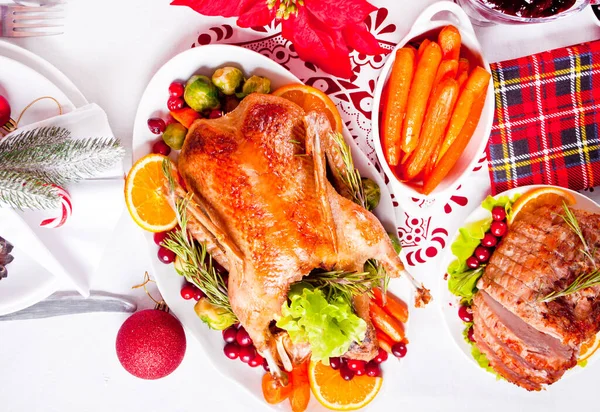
428,25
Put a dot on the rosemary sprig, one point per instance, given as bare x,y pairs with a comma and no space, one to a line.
571,221
347,284
584,281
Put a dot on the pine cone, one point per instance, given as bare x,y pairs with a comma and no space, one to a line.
5,256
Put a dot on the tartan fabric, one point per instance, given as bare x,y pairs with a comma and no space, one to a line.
546,120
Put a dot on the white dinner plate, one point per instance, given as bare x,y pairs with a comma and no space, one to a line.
450,303
24,77
204,60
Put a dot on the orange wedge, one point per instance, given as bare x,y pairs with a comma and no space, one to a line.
589,348
536,198
335,393
310,99
145,197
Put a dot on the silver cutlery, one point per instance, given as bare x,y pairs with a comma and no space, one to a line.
23,21
71,303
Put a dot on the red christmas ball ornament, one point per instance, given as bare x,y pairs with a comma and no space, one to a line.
151,343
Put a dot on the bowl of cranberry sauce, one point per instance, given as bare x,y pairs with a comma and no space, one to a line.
487,12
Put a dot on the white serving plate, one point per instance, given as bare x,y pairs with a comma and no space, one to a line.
428,25
450,303
204,60
24,77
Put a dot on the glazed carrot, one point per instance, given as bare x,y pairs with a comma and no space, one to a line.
394,306
384,341
395,103
447,70
385,323
434,126
449,40
453,154
475,85
300,395
418,97
463,72
422,47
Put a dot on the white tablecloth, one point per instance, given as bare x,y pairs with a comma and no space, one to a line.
110,50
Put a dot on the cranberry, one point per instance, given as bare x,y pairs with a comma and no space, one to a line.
247,353
482,254
489,240
372,369
160,147
470,334
188,291
159,237
346,373
355,365
258,360
176,89
156,125
198,295
242,337
335,363
174,103
229,334
465,313
165,255
381,357
359,372
399,349
231,350
215,114
498,213
498,228
472,262
266,366
4,111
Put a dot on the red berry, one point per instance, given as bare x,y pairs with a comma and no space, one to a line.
465,313
247,353
482,254
399,349
215,114
165,255
258,360
156,125
381,357
176,89
470,334
472,262
4,111
359,372
498,213
231,350
346,373
266,366
335,363
372,369
187,291
498,228
174,103
198,294
489,240
242,337
160,147
229,334
355,364
159,237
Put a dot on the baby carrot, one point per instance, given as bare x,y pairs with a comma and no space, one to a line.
474,86
434,126
384,341
422,47
451,157
449,40
418,97
385,323
447,70
300,395
463,72
394,107
394,306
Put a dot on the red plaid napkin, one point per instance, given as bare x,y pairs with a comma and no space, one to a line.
547,118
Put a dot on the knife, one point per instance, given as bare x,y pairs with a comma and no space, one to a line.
71,303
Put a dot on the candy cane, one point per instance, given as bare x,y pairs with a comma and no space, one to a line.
67,210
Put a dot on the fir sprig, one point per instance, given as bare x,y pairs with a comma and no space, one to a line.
18,190
584,281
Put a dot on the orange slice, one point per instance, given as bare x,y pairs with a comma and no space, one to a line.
310,99
536,198
335,393
589,348
145,197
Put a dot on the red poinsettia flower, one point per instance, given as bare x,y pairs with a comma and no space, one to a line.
322,31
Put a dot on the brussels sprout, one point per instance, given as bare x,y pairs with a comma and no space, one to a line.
174,135
395,242
255,84
228,79
372,193
214,316
201,94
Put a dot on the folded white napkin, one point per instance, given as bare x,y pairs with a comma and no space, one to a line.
73,251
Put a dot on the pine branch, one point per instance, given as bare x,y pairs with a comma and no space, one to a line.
23,191
19,142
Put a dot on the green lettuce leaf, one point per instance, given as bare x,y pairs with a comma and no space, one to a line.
489,203
463,284
328,326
